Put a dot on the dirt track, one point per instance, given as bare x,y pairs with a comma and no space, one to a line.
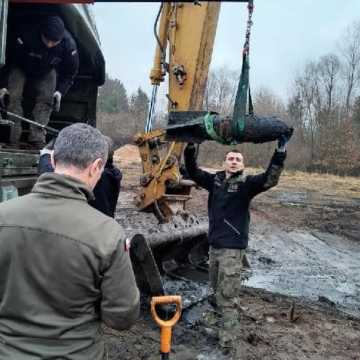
305,244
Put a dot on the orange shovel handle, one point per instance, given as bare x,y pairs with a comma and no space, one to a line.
166,325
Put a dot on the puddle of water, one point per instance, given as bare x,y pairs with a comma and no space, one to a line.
215,355
306,265
294,198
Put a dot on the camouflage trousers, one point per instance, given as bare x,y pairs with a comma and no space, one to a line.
41,89
225,266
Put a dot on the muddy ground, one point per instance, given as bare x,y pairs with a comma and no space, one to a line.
301,297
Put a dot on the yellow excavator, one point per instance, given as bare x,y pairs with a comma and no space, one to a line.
185,33
183,53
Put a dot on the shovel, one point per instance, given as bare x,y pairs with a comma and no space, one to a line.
166,325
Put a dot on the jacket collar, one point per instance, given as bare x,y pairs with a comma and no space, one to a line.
237,177
62,186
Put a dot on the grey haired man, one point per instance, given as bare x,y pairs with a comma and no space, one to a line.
65,265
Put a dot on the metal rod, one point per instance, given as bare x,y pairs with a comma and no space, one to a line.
18,117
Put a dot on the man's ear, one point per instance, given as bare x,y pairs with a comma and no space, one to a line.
96,166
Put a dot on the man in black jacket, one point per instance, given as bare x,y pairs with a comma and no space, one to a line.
230,194
42,63
107,189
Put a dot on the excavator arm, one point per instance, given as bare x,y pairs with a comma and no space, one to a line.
184,47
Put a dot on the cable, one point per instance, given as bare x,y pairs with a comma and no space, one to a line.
152,107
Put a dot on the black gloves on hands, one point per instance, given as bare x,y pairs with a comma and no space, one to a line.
48,148
283,140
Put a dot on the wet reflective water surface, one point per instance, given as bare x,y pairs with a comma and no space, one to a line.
315,265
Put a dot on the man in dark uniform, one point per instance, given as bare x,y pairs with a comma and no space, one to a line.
107,189
230,194
42,63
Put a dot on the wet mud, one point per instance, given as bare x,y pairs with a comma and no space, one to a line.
301,296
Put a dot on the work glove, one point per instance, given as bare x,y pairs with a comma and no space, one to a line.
283,140
48,148
4,98
57,101
50,144
190,151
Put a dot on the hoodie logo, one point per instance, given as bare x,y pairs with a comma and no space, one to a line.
233,187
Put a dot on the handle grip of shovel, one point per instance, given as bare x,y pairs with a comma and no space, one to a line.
166,325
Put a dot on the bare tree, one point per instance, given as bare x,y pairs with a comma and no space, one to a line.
221,90
307,87
267,103
329,67
350,50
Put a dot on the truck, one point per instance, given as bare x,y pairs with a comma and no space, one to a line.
18,164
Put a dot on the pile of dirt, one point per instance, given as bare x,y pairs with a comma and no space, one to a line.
126,155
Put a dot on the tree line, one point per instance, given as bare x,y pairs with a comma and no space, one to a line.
119,115
323,107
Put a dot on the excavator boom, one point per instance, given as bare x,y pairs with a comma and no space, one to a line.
184,48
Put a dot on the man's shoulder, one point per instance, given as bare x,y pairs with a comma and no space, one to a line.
69,43
219,176
112,172
12,207
97,217
90,227
106,232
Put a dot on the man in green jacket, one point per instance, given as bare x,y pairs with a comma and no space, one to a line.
65,266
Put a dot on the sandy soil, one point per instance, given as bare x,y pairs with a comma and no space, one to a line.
305,248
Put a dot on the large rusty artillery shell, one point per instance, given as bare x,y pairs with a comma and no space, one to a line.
194,127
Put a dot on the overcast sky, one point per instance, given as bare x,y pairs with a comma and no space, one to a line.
286,34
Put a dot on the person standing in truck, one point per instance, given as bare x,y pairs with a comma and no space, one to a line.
42,63
65,267
230,194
